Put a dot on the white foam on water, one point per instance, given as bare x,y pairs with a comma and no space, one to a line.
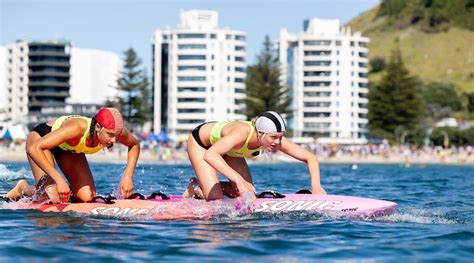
7,175
420,216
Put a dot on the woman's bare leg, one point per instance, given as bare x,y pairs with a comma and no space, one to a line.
239,165
205,173
22,188
76,169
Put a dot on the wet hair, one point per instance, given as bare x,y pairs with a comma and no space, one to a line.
91,130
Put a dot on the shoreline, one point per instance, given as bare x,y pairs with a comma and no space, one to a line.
181,158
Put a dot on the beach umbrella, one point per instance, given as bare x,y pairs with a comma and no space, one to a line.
152,137
7,136
163,137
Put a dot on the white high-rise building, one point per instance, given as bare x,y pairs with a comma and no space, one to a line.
198,73
17,81
325,68
3,79
43,80
94,75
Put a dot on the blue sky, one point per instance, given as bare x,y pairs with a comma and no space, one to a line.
117,25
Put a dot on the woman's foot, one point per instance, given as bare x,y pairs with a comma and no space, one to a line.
22,188
193,190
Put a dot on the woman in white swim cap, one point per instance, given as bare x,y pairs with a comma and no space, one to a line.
223,146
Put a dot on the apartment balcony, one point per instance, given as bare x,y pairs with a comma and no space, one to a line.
321,78
317,83
49,74
317,63
322,101
315,54
317,106
49,63
363,105
316,94
190,117
63,94
318,116
45,103
44,53
321,127
48,83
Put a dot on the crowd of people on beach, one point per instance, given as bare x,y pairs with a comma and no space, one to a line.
152,151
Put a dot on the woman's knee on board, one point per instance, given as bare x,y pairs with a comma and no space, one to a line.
85,194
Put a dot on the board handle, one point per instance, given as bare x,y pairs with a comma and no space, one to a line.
273,193
160,194
304,191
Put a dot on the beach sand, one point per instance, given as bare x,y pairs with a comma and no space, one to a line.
18,154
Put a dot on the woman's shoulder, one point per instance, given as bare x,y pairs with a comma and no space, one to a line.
240,127
76,121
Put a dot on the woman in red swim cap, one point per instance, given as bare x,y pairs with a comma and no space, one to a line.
67,140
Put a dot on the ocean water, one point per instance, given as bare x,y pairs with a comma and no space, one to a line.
434,220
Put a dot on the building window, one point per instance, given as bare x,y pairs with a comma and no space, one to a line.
213,36
317,42
191,89
240,37
192,57
182,68
192,46
182,36
228,36
191,110
191,78
191,99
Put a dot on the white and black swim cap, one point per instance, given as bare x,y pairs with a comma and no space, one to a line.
269,121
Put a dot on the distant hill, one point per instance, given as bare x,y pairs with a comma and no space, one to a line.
436,38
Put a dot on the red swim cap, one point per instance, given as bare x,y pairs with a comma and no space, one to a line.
110,118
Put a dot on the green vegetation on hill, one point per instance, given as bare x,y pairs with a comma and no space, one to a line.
436,38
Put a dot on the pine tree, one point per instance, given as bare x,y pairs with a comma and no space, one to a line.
134,94
394,101
263,88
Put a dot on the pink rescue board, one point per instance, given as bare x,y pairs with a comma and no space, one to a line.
179,208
